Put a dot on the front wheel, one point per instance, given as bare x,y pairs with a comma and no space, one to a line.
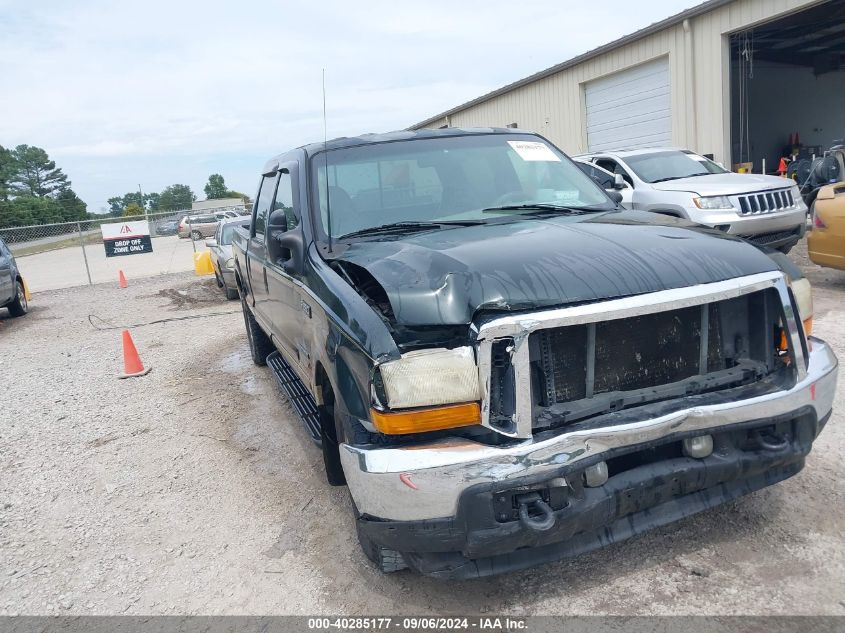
19,305
260,345
196,236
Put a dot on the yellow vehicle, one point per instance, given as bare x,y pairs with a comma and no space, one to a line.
826,242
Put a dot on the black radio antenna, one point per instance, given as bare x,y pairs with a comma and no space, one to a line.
326,163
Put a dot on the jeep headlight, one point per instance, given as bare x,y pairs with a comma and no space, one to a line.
713,202
429,389
803,293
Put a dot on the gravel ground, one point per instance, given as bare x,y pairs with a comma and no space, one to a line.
194,490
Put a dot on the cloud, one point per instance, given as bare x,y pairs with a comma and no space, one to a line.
160,92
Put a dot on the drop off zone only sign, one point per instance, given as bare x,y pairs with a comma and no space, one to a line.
127,238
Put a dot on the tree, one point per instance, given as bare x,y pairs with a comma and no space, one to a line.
133,208
176,197
216,187
8,168
117,204
237,194
26,210
151,201
35,174
72,207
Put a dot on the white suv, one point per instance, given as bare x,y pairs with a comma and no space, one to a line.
764,209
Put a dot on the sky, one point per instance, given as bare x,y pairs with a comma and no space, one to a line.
152,93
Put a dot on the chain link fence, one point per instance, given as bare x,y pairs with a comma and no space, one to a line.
69,254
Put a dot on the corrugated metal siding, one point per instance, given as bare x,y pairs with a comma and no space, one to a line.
699,74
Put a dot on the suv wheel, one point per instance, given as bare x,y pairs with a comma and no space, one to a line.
196,235
260,345
19,305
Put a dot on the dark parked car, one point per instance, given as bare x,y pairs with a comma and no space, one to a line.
12,289
507,368
167,228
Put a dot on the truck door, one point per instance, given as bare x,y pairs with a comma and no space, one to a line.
286,304
257,249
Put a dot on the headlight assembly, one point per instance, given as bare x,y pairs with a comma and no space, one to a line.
428,390
713,202
431,377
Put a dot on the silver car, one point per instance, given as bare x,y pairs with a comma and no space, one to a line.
221,254
12,289
764,209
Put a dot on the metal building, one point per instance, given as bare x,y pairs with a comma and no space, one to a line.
735,79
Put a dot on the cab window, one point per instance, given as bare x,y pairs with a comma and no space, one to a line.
615,168
284,201
262,206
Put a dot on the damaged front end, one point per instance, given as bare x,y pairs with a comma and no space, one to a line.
589,420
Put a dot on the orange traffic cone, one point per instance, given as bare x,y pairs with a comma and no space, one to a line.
132,365
782,166
121,279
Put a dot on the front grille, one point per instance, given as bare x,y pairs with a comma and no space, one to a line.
766,202
583,370
771,238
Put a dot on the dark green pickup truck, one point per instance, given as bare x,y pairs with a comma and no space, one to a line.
506,368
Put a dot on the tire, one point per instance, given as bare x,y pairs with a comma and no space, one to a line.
218,280
19,305
260,345
196,236
328,440
231,293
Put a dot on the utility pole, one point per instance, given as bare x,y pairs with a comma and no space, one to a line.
143,204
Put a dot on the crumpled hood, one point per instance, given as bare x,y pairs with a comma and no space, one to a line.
444,277
724,184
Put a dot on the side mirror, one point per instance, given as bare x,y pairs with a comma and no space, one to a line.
210,242
618,182
615,196
285,248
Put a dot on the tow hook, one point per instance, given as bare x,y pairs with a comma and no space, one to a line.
539,523
769,440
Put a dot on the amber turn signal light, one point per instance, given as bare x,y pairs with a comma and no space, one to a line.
422,420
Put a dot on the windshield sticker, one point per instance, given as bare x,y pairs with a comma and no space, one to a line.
568,196
534,151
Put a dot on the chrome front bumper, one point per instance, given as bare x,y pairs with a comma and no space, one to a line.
752,223
426,481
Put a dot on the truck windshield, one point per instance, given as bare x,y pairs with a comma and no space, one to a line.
453,180
671,165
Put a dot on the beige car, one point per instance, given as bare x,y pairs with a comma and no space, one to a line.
826,242
198,226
